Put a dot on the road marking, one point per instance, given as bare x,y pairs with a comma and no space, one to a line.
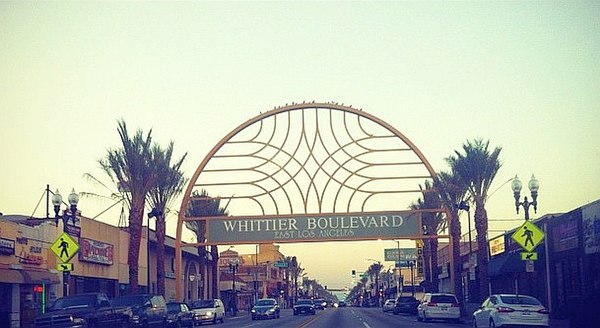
366,324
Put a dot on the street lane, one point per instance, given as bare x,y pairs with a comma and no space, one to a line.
348,317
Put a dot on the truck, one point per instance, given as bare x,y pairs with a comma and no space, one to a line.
84,310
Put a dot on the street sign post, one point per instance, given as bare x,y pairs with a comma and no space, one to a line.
65,247
528,236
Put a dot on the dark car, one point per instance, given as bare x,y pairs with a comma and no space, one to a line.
179,315
406,304
265,308
342,304
304,306
146,310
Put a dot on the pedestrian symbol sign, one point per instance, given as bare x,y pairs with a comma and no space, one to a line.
528,236
64,247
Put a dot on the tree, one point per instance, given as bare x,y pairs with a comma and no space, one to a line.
202,205
169,184
434,223
451,191
296,271
130,168
477,167
374,270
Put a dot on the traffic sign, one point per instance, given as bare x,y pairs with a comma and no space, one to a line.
528,236
526,256
64,267
280,264
529,267
64,247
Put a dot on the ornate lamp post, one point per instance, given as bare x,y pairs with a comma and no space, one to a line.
70,213
534,186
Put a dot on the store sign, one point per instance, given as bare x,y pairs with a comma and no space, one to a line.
400,254
286,229
95,251
497,246
7,247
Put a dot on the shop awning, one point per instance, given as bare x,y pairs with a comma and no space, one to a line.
505,264
11,276
39,277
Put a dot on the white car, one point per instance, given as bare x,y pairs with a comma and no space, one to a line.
211,310
438,306
508,309
388,306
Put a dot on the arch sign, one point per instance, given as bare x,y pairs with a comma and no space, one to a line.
307,172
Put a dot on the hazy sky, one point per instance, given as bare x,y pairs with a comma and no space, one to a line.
525,75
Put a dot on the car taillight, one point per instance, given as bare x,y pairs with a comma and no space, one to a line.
544,311
431,304
505,309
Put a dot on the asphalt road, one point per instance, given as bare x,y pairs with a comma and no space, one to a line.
347,317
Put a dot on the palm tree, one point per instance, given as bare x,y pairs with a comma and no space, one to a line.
433,224
169,184
451,191
477,167
130,168
202,205
296,271
374,271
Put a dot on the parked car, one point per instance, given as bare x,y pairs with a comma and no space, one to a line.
388,306
341,303
438,306
508,309
319,303
211,310
179,315
406,304
82,310
304,306
265,308
146,310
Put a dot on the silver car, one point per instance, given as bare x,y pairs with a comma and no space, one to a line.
509,309
438,306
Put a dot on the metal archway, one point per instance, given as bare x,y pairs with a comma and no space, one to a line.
313,159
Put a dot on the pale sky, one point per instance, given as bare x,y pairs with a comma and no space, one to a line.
525,75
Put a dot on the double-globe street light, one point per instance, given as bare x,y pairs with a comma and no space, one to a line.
233,267
534,186
70,213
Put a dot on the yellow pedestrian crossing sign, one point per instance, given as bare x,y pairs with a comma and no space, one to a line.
528,236
64,267
64,247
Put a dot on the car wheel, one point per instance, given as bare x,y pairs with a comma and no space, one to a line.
223,318
474,323
492,324
425,317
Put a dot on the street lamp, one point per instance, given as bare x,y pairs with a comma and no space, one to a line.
154,213
67,214
534,186
233,266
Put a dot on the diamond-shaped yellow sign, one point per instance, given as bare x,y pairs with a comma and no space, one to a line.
528,236
64,247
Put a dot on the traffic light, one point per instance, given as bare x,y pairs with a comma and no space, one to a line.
353,273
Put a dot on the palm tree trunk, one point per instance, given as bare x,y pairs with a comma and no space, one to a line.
214,252
481,225
135,236
435,280
457,274
160,255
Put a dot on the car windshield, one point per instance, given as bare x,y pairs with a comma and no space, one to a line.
443,299
304,302
514,299
203,304
265,302
129,300
82,301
